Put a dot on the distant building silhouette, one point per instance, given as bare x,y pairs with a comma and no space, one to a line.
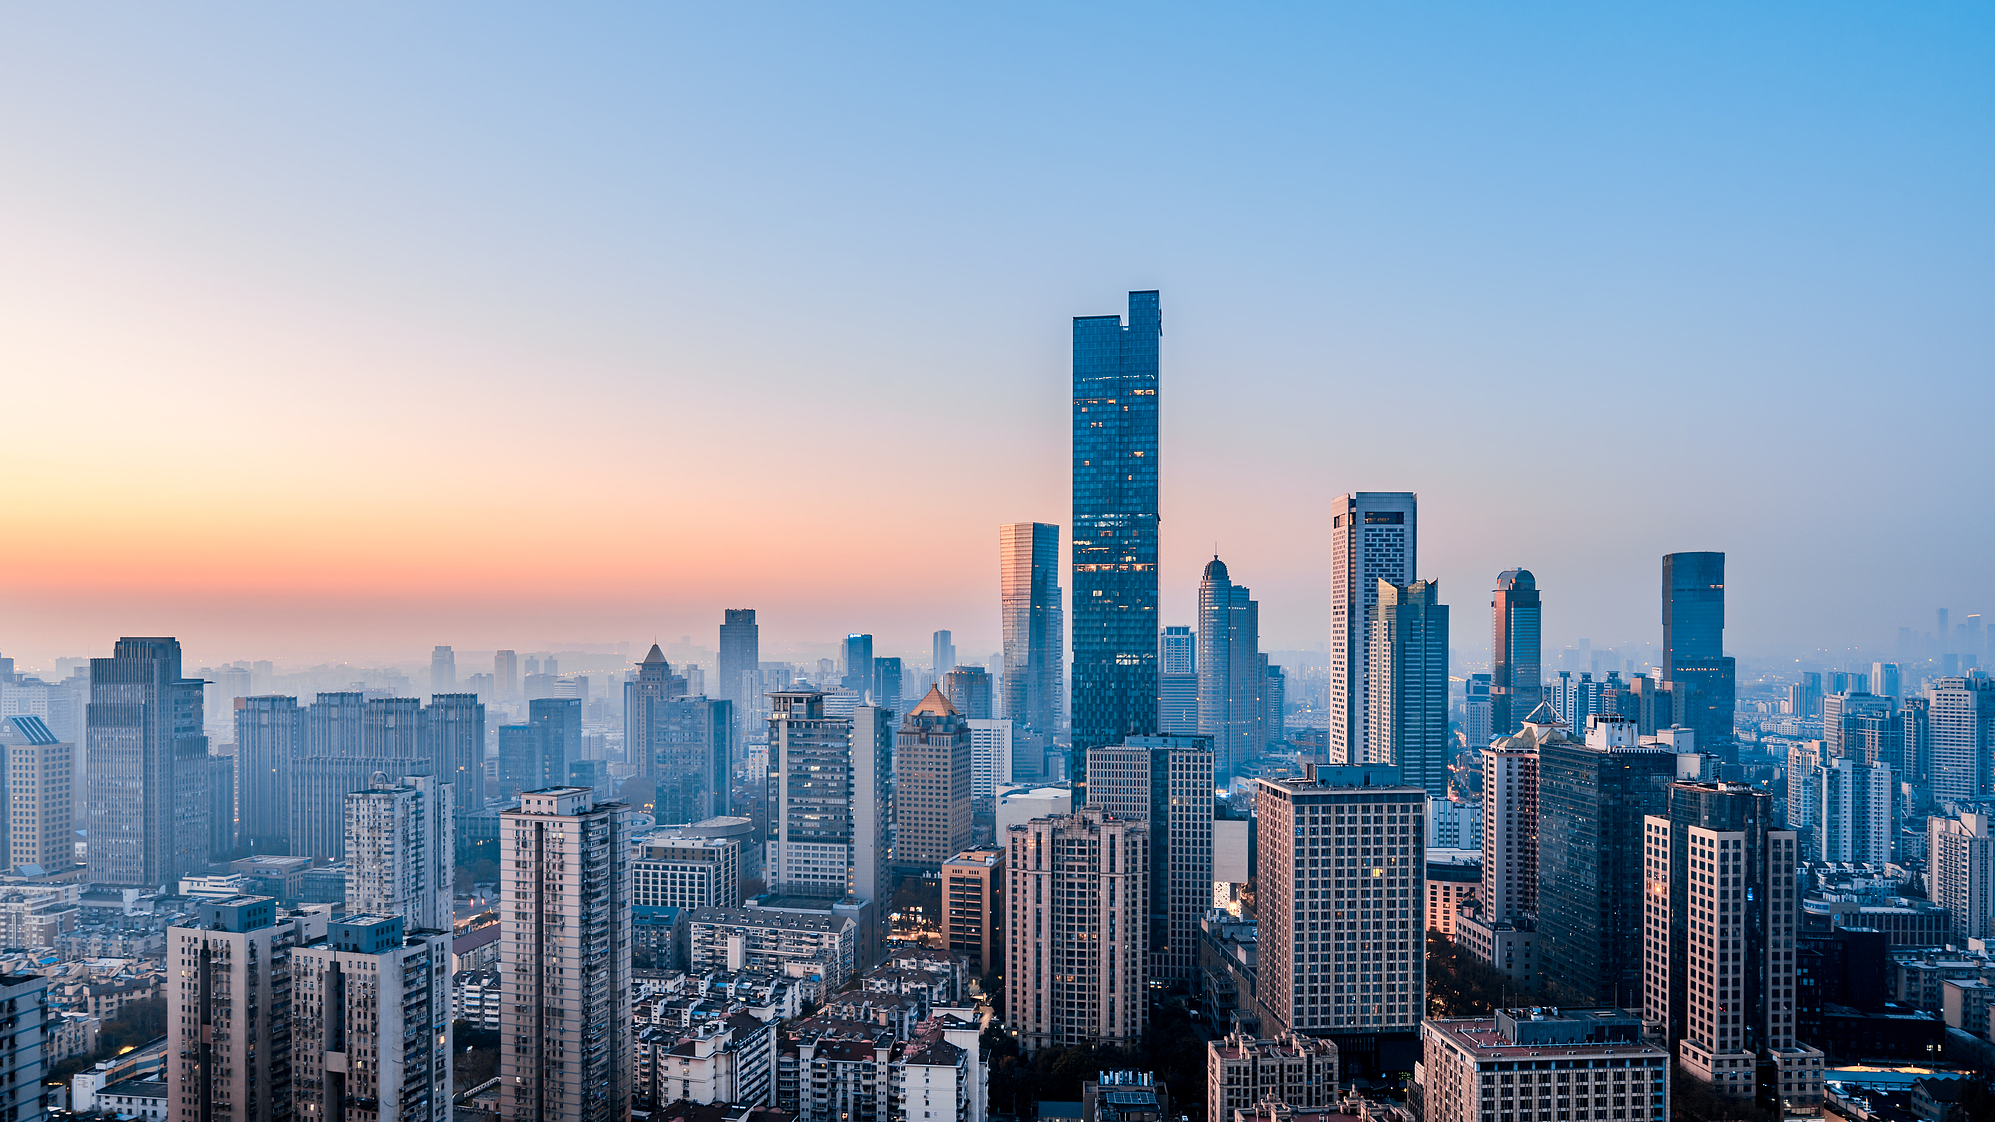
146,767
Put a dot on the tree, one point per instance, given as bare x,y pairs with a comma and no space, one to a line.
1459,986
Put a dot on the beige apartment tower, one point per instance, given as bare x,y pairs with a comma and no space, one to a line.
1077,892
41,790
228,1011
400,851
371,1023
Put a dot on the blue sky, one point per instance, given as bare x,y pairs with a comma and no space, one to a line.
585,324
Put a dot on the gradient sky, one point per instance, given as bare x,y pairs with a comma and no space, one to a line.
340,331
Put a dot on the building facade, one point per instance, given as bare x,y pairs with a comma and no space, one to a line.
1960,716
1373,538
1077,929
146,767
1115,525
673,870
1166,781
1694,661
1516,683
228,1011
1407,725
1241,1072
1856,811
1033,619
973,908
41,796
738,664
1961,857
371,1022
1510,823
1231,680
932,774
829,801
1541,1064
400,851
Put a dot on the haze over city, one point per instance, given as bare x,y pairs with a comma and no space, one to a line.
336,335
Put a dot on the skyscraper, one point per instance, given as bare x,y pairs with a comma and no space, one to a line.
1475,713
147,766
41,793
1884,679
443,670
887,684
1593,797
932,786
1373,538
1078,891
1230,676
1115,528
1408,723
858,663
1515,681
1510,824
739,664
1962,850
990,761
829,803
1165,781
1177,684
374,986
222,1063
557,724
1856,811
1342,887
1694,659
968,688
565,1027
942,653
1029,602
400,850
506,674
453,727
644,701
1720,915
690,745
1961,713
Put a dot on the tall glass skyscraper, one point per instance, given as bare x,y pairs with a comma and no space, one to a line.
1374,537
1694,659
1115,529
1029,602
1515,679
1231,678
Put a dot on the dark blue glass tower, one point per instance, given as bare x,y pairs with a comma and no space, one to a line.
1115,529
1694,648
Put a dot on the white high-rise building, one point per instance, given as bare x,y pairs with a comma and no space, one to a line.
1961,855
371,1021
1166,781
41,789
990,760
1078,890
1961,722
400,850
1510,826
1372,539
1855,811
1803,760
223,1063
1343,895
828,824
1407,725
565,1028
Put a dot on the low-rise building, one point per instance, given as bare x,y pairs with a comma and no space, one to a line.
1450,884
816,948
144,1097
1508,945
1538,1064
730,1060
475,997
1240,1071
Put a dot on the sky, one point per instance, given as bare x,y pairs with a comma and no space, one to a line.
336,332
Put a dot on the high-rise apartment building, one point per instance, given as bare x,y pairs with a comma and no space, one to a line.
443,670
932,786
968,688
41,797
1342,883
1115,528
1593,798
1077,890
1885,680
371,1021
1961,716
146,767
228,1011
1847,717
941,652
1694,660
829,801
1230,676
973,908
1033,620
1720,913
1856,811
506,674
565,1027
859,669
400,850
1373,539
1510,824
990,762
1408,722
1961,857
1515,680
1177,683
1166,781
25,1041
1475,712
1572,699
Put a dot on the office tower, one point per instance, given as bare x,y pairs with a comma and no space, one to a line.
1115,528
1856,815
931,786
739,663
1884,680
506,674
453,726
1274,702
1179,651
1510,824
1961,857
1077,887
1177,684
990,761
557,727
1961,716
1408,723
1915,750
392,727
1694,647
24,1040
968,688
400,850
520,765
1230,675
41,794
228,1017
220,785
146,767
1846,717
371,1021
859,669
1373,539
829,799
1515,684
1029,602
1165,781
1593,797
973,908
1342,883
676,870
644,700
1720,917
942,653
565,1047
887,684
1652,703
690,748
1599,1057
443,670
1476,715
